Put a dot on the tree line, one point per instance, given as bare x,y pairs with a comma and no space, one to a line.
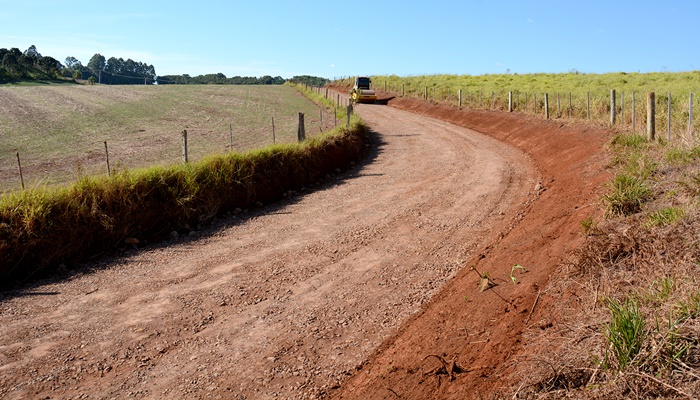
30,65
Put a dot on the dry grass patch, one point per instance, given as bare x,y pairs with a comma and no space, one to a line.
629,324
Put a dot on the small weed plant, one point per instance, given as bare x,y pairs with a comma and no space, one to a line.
625,332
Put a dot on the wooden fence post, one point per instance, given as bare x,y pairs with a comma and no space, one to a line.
403,89
669,117
546,106
690,115
459,96
558,106
493,101
349,112
651,116
109,171
612,107
634,112
230,137
510,101
21,177
301,130
184,147
571,107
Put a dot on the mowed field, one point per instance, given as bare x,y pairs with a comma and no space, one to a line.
60,130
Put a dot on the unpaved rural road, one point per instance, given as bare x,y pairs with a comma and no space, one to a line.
283,302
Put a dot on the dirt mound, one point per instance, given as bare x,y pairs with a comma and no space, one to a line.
467,343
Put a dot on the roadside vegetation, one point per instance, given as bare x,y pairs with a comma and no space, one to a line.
60,130
566,91
46,227
633,330
643,260
630,297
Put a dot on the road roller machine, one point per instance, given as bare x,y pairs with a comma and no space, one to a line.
362,92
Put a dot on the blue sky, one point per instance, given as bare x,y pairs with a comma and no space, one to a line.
345,38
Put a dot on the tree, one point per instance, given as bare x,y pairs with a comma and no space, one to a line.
92,80
32,52
73,63
77,75
97,63
50,66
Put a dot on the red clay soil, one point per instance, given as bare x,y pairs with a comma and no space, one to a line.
466,343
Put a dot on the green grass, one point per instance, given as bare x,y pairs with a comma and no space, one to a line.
491,92
626,331
665,216
627,195
43,227
60,129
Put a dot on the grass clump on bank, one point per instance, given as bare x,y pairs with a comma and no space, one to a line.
45,227
636,324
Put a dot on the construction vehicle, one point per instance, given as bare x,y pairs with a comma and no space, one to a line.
361,92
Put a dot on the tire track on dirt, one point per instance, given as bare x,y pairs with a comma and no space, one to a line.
284,302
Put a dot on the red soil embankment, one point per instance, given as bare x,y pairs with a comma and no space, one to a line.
467,343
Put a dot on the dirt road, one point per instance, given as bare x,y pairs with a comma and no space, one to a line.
282,302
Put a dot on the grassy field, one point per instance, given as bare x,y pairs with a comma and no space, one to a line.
60,130
47,226
491,92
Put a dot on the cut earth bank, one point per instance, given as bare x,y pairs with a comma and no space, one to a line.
469,344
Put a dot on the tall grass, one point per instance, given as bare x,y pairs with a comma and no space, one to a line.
47,226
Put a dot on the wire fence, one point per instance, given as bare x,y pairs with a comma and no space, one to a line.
672,117
188,145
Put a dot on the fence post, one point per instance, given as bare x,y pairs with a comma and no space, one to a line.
612,107
493,101
546,106
634,113
109,171
651,116
21,177
669,117
301,130
335,117
320,112
349,112
230,136
184,147
425,95
571,107
690,115
510,101
459,96
403,89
